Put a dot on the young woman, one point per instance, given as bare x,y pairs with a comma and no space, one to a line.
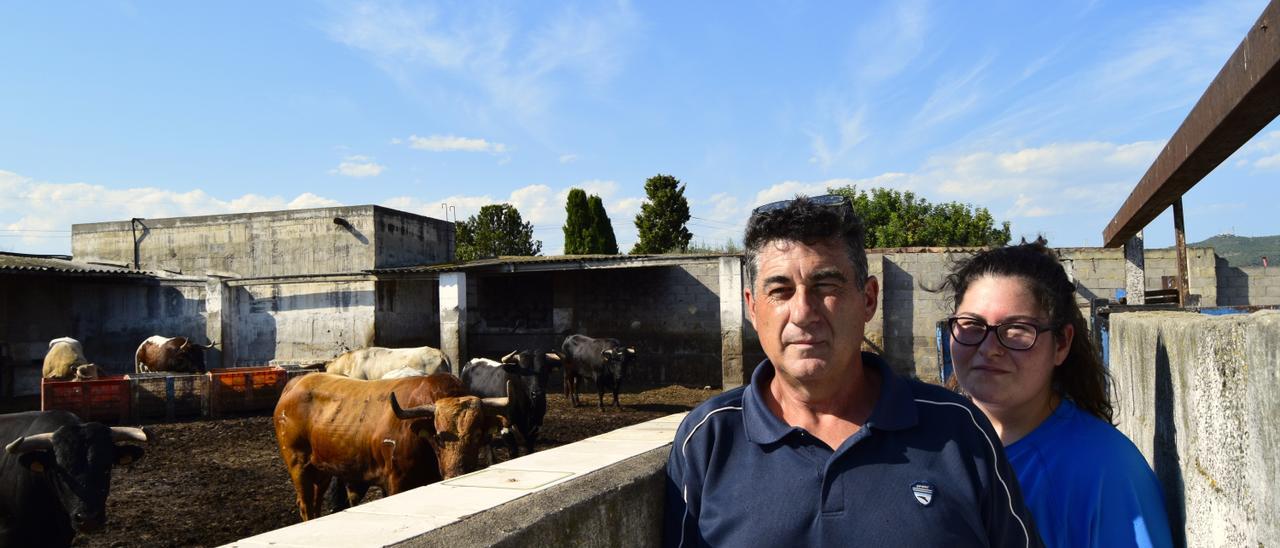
1021,350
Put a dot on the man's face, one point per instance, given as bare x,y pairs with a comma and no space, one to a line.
808,309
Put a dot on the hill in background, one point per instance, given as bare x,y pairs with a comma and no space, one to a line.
1244,250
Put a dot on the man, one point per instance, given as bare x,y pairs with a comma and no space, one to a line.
827,446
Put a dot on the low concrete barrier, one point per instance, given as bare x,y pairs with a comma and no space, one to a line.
602,491
1199,395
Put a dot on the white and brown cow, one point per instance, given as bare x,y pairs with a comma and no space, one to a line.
376,362
177,354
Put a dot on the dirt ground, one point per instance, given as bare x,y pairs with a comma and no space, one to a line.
206,483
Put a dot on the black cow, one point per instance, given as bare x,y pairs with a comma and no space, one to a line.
55,474
604,361
527,371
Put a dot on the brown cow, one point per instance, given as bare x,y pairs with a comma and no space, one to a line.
176,354
330,426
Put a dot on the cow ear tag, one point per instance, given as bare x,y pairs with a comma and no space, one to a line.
923,492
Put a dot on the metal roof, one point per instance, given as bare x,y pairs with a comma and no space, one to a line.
553,262
60,264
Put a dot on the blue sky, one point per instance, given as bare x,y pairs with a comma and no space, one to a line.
1046,113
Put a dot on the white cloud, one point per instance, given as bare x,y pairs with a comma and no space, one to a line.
1263,151
28,205
1268,162
358,166
450,143
518,66
568,158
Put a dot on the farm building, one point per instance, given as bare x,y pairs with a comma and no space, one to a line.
302,286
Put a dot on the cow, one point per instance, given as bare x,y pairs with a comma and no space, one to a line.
55,475
526,371
375,362
604,361
65,356
330,426
176,354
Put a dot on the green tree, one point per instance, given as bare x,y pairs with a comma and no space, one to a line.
496,230
576,223
602,237
901,219
662,217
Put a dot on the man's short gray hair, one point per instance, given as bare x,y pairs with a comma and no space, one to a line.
808,221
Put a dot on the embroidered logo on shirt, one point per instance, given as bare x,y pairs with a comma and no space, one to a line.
923,491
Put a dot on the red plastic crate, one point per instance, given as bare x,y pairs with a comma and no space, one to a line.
106,399
244,389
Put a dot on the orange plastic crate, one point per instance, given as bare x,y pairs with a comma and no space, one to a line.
106,399
244,389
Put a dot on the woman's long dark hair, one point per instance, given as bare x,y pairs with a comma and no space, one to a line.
1081,378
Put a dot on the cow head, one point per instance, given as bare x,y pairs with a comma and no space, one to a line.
76,460
460,427
189,356
534,366
86,372
618,360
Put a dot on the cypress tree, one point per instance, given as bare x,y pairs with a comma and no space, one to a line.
577,223
602,238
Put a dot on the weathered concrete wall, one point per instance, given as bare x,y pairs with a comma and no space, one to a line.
1247,285
407,313
1100,272
670,314
277,243
109,316
1199,395
300,319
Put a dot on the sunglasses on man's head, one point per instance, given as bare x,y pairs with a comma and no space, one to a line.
826,200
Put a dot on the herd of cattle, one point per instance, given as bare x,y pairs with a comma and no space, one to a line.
395,418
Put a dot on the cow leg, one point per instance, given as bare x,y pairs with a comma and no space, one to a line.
600,394
338,500
356,492
616,388
310,490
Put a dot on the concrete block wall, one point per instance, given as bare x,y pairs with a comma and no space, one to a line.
909,311
299,320
1248,285
1199,395
278,243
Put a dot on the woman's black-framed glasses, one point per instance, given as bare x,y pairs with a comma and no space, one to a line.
1012,335
826,200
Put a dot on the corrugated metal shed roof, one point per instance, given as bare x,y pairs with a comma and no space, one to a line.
553,262
60,264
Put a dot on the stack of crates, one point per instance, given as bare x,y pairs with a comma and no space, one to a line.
105,399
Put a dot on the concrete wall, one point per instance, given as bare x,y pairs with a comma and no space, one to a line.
1247,285
299,319
1199,395
109,316
277,243
407,313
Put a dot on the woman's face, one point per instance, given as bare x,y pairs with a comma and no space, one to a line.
995,376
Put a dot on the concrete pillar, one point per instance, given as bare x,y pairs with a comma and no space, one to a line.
219,315
1135,276
453,317
732,374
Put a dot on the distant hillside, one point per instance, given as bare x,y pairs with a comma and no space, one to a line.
1244,250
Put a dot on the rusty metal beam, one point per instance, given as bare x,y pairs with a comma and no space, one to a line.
1241,100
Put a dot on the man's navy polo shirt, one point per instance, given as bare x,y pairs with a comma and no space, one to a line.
925,470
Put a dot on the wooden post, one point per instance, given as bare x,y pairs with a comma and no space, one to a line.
1180,237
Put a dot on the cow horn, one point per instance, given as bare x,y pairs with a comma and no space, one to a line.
554,356
631,350
38,442
607,353
123,433
507,358
412,412
498,403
